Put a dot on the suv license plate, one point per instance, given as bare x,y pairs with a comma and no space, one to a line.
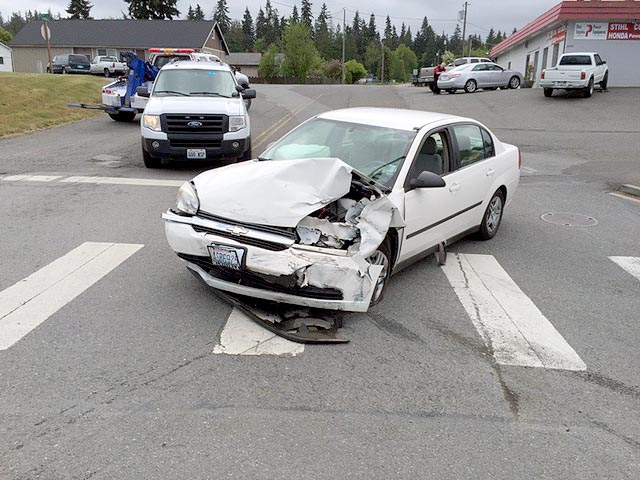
225,256
196,153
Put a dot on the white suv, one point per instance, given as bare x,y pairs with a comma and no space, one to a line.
195,112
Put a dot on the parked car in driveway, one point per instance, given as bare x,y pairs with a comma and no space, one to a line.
464,60
70,63
326,214
107,66
472,76
576,71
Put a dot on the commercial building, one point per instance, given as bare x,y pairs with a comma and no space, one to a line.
609,27
110,37
6,63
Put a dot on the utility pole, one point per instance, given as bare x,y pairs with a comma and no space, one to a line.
46,33
464,27
382,64
344,36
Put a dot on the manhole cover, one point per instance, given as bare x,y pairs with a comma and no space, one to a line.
569,219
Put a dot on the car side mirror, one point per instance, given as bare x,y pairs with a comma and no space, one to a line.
427,180
143,92
604,62
248,93
239,88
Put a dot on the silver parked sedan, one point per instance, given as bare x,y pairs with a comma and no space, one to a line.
473,76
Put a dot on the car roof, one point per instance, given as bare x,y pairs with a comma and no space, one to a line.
193,65
579,53
398,118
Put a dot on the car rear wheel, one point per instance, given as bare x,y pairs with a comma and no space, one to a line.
149,161
492,216
548,92
123,116
471,86
382,256
106,72
64,71
589,90
605,81
514,82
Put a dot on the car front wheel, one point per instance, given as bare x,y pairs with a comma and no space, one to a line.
514,82
471,86
149,161
492,216
605,81
382,256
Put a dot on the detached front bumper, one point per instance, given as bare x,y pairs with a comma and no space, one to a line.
274,267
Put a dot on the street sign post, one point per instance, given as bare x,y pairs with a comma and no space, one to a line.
45,31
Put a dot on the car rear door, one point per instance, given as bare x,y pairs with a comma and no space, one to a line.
481,75
496,75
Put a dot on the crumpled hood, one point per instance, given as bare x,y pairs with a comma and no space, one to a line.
277,193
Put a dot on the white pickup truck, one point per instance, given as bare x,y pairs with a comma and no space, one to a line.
576,71
107,65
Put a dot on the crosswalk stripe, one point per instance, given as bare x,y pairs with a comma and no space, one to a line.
508,321
28,303
152,182
242,336
630,264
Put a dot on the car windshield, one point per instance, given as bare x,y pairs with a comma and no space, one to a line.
575,60
195,83
78,59
376,152
109,59
161,61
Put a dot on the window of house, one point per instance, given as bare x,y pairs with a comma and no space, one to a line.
509,66
1,60
554,55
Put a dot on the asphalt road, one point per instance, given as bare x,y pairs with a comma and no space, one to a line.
121,381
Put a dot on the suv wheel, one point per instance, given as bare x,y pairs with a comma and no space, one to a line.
106,72
123,116
605,81
588,91
548,92
149,161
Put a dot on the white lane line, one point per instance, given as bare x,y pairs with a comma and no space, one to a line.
508,321
32,300
630,264
242,336
152,182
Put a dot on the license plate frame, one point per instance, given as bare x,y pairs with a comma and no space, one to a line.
560,84
196,153
227,256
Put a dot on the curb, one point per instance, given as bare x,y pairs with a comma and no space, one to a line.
630,190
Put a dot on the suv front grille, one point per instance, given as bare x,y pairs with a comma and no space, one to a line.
179,123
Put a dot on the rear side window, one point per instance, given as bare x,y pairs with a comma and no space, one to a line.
480,67
575,60
489,150
471,144
474,60
78,59
460,62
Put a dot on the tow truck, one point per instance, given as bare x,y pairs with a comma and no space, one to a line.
120,99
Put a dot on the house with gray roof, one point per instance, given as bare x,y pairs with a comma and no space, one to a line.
110,37
248,63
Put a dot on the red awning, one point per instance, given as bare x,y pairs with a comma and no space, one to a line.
573,10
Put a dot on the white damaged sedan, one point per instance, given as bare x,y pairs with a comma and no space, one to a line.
326,215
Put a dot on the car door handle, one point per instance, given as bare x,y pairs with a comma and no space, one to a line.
490,172
454,187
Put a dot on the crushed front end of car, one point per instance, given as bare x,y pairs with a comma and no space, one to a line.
295,231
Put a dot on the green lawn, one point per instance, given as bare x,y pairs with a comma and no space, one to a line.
31,102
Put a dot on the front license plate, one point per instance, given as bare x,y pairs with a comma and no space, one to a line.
225,256
196,153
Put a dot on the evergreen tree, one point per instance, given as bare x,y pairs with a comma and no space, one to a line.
248,33
394,38
388,32
295,18
372,29
424,43
324,36
491,37
455,42
234,36
190,13
153,9
305,14
514,30
79,9
221,16
261,25
198,14
15,23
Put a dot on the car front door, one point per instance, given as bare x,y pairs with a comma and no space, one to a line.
496,75
481,76
599,70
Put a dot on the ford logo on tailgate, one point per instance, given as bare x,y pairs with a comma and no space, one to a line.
194,124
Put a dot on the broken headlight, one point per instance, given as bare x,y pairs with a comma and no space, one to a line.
188,199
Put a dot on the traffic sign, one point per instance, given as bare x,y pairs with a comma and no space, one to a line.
45,31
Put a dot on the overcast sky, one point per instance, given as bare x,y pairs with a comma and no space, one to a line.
482,14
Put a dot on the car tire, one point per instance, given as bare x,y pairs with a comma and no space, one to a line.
605,81
471,86
588,91
492,216
514,82
106,73
123,116
247,103
64,71
452,91
382,256
548,92
149,161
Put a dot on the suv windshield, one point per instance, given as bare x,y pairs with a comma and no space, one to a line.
376,152
195,83
575,60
